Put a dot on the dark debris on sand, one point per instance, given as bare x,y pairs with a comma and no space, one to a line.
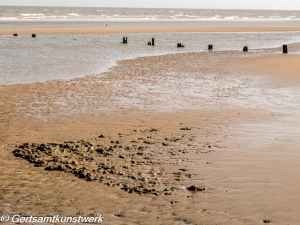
135,168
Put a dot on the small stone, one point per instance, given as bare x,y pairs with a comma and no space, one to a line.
149,142
196,188
91,149
153,130
35,145
185,128
189,175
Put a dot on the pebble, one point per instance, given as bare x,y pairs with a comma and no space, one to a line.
196,188
185,128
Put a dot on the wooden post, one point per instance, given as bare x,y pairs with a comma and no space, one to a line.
33,35
285,49
124,40
15,35
152,41
245,49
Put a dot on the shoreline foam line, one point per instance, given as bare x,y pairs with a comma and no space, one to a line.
120,30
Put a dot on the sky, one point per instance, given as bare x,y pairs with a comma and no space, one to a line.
202,4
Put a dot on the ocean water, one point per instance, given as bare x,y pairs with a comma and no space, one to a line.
117,14
126,17
53,57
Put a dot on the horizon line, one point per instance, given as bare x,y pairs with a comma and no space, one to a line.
148,7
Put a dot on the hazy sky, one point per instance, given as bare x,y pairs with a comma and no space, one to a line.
213,4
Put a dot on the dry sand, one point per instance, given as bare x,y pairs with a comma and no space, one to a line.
241,143
107,30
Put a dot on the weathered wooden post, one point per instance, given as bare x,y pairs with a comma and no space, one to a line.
15,35
152,41
285,49
33,35
245,49
124,40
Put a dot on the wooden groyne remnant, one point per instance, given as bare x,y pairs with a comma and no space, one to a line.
152,43
125,40
179,45
285,49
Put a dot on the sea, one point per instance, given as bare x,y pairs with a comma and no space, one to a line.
24,59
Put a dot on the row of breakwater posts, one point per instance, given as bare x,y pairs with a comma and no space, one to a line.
210,47
33,35
180,45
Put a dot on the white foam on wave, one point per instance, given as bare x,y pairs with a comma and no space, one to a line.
33,14
232,17
8,18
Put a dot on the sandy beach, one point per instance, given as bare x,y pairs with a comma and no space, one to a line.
210,140
120,30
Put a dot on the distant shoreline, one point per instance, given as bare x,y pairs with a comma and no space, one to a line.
120,30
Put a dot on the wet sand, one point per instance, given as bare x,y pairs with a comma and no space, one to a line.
280,67
108,30
149,129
